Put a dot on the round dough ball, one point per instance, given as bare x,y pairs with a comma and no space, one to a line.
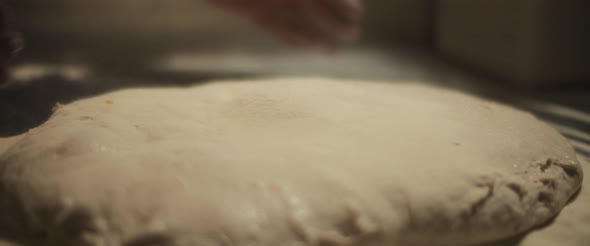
284,161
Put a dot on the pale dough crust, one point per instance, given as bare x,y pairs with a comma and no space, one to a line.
284,161
570,228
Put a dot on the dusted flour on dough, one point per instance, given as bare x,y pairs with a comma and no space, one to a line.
283,161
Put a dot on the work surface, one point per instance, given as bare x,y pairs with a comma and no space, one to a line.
39,87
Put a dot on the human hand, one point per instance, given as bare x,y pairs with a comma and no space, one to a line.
305,23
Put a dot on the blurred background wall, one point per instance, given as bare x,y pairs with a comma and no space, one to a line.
528,41
193,23
524,41
402,20
128,33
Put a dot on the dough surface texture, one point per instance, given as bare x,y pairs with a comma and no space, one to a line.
284,161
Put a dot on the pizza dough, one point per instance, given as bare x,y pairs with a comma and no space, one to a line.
284,161
570,228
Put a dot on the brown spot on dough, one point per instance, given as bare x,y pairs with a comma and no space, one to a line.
545,165
61,150
356,224
152,239
570,170
485,182
108,102
545,197
475,207
516,188
550,183
77,223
